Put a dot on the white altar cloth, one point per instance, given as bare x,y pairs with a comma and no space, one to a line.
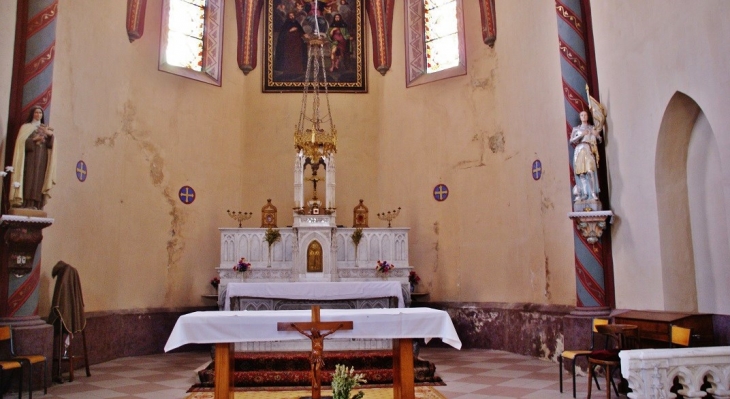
316,290
257,326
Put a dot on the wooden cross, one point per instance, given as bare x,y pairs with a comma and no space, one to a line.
313,331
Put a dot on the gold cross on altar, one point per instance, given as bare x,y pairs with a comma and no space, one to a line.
313,331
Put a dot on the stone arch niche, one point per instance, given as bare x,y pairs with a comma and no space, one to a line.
693,233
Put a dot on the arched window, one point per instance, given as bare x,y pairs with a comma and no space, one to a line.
435,40
191,39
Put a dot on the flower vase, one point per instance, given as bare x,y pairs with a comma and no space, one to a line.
356,256
413,287
269,264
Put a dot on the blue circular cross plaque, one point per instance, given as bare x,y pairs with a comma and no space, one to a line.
537,169
440,192
187,195
81,171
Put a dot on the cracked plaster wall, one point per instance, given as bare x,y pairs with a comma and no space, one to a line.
499,237
144,134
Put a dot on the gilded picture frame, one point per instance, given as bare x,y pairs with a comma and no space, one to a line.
285,51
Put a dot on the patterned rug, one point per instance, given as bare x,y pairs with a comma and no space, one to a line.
288,370
370,393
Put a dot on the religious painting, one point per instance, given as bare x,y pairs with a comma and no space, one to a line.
290,22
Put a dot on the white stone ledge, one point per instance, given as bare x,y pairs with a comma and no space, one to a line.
651,372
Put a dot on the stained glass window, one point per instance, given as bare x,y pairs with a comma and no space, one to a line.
185,34
191,35
441,34
435,40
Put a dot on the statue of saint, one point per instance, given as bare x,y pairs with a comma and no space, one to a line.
585,137
34,167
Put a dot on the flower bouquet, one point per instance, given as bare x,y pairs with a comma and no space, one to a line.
383,268
343,380
241,267
215,282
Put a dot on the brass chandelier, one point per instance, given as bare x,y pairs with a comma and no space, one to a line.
319,140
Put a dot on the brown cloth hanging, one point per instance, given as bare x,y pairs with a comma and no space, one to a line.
68,302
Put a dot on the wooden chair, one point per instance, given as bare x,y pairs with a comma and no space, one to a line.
69,353
6,337
68,319
12,366
679,336
573,355
624,336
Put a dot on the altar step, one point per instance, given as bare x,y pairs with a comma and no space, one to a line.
257,369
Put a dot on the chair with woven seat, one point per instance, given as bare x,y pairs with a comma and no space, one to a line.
573,355
625,337
24,361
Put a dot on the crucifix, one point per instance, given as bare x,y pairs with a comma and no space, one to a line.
316,331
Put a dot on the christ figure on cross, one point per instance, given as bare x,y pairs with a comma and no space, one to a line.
313,331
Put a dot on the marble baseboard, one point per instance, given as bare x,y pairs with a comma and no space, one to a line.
111,335
540,331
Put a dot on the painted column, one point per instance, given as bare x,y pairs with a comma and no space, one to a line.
593,265
35,42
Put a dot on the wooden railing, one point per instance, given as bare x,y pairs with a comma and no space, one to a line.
651,372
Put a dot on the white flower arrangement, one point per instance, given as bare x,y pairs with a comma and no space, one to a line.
343,380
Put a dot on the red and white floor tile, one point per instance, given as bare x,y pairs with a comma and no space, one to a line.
469,374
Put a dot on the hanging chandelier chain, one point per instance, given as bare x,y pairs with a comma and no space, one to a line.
316,142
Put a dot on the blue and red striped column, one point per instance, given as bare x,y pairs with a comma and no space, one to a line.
593,265
32,84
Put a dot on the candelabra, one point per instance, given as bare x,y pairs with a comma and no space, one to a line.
240,216
389,216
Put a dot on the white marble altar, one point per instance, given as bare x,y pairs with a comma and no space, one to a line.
288,256
326,291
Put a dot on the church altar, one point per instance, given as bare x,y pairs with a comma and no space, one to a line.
401,325
326,291
281,279
288,256
341,262
287,264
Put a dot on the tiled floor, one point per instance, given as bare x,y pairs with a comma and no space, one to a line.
469,374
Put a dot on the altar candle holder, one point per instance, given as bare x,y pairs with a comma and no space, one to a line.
389,216
240,216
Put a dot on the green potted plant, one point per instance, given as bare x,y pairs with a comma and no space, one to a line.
343,380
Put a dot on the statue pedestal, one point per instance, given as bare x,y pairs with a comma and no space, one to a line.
591,224
36,213
20,260
20,270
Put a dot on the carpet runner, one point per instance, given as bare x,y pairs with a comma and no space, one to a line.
370,393
291,369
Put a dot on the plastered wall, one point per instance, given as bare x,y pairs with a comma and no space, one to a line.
647,52
500,236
